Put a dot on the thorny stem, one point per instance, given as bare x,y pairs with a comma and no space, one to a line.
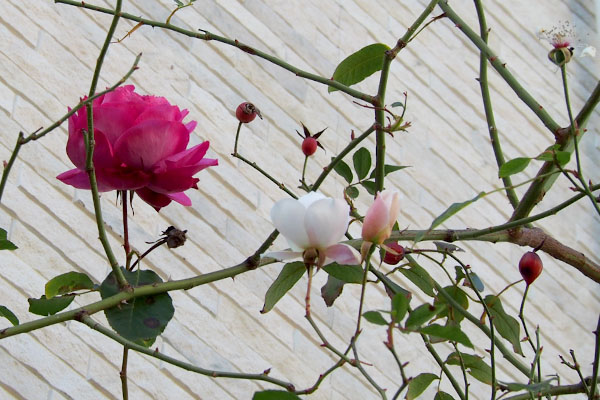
205,35
39,133
552,391
574,133
126,246
487,105
358,365
593,384
89,139
340,156
123,373
463,369
266,174
146,290
86,319
500,67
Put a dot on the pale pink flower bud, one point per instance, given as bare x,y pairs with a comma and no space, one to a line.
381,217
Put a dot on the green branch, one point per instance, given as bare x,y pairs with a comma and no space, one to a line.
86,319
487,106
500,67
147,290
205,35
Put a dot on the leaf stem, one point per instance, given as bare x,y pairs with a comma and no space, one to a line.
123,373
593,384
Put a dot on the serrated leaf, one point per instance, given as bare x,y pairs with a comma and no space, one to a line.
352,192
141,319
343,170
459,296
289,275
387,169
443,396
345,273
67,283
369,187
375,317
475,366
331,290
453,209
421,315
448,332
418,384
274,395
513,166
399,307
362,162
418,276
360,65
9,315
507,326
45,307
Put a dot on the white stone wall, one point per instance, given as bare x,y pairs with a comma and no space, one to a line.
47,55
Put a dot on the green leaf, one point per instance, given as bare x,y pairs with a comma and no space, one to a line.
362,162
453,209
369,187
67,283
397,104
448,311
563,157
274,395
418,276
421,314
399,307
360,65
289,275
418,384
331,290
388,169
443,396
508,327
375,317
346,273
477,283
394,289
531,388
9,315
6,244
45,307
475,366
513,166
343,170
141,319
448,332
352,192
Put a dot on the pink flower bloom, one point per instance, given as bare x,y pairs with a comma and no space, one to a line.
313,225
381,217
140,145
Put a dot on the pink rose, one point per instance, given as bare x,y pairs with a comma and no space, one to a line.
140,145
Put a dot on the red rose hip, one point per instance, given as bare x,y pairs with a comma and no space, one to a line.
530,267
309,146
246,112
393,259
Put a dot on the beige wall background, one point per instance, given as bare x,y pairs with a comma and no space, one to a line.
47,55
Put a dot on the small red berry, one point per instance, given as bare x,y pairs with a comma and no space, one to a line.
309,146
393,259
246,112
530,267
